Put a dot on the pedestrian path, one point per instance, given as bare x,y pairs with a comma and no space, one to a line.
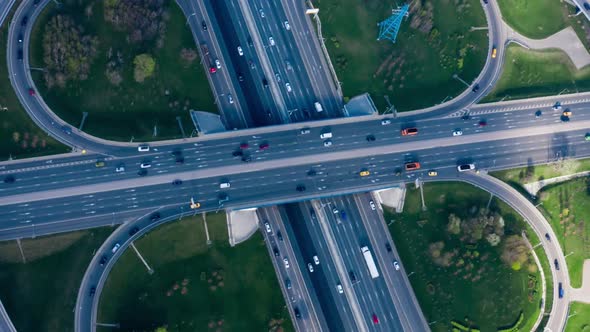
565,40
582,294
534,187
241,225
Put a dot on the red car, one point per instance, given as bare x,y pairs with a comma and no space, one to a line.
482,123
244,146
375,319
264,146
212,70
31,92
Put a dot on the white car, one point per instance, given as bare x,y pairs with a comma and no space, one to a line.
271,41
286,261
385,122
230,99
143,148
396,265
457,133
217,64
327,143
288,86
145,164
261,12
310,267
316,260
335,210
278,77
372,204
240,51
339,288
466,167
116,247
287,26
120,168
267,226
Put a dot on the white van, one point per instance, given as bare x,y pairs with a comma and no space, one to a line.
318,107
143,148
224,185
326,135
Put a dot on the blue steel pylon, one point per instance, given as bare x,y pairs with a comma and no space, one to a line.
389,28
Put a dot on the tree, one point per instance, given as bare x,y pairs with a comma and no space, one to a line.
515,252
188,54
493,239
454,225
144,67
161,329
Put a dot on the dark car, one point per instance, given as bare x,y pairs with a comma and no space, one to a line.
279,236
179,159
288,283
465,116
275,250
482,123
133,231
247,158
485,1
142,172
297,313
311,172
300,188
538,113
92,291
103,260
547,237
343,214
156,216
204,26
475,88
9,179
240,77
66,129
556,264
388,247
250,43
370,138
237,153
19,54
265,82
586,6
352,277
24,21
177,182
36,2
560,290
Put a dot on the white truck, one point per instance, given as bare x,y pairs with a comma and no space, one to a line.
370,262
318,107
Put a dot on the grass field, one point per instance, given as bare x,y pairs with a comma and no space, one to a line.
568,207
535,19
581,321
19,136
415,72
538,73
491,300
195,287
522,175
41,294
131,109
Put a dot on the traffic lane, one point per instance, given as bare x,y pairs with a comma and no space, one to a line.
555,146
493,156
401,292
292,293
347,248
313,58
236,63
252,77
316,319
299,221
382,304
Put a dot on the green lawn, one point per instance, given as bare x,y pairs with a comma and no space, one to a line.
522,175
568,207
538,73
581,321
535,19
131,109
228,289
489,294
19,136
41,294
417,70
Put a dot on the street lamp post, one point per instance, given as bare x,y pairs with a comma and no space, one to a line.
569,254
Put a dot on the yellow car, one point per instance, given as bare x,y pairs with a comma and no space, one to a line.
567,113
99,163
432,173
195,205
494,51
364,173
